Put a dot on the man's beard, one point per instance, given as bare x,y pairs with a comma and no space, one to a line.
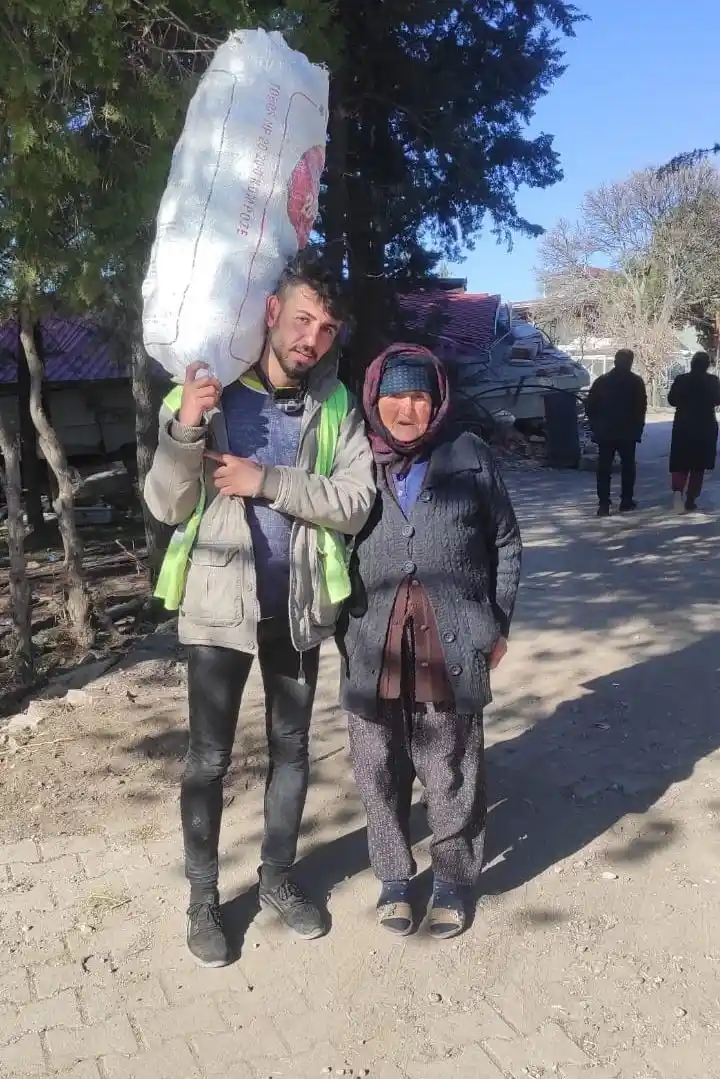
290,366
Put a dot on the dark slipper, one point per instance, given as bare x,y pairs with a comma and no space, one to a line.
394,910
447,916
397,918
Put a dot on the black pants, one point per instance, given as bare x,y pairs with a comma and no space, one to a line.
606,458
216,680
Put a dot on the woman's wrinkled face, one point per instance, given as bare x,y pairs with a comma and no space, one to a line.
406,415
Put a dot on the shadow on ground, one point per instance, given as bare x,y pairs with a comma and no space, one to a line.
561,784
587,574
613,749
615,752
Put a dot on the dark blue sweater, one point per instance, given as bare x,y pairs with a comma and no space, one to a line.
261,432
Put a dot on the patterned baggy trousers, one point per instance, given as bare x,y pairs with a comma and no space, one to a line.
445,750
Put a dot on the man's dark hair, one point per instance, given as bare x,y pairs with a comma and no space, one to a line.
308,269
624,359
700,362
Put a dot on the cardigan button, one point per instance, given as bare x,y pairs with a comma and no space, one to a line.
426,496
409,568
408,531
449,638
456,670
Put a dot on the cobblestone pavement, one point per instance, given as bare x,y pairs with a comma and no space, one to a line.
594,953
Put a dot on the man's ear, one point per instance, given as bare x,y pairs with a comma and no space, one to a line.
272,309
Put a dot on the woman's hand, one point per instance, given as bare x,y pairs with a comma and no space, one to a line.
498,653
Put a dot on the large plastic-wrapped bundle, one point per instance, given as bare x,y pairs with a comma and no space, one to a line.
241,199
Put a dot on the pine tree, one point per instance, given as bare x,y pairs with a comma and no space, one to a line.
433,97
428,108
428,104
92,101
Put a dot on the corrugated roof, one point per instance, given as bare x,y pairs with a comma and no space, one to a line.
75,351
457,322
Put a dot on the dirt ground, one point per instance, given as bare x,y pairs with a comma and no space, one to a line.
113,559
594,951
109,745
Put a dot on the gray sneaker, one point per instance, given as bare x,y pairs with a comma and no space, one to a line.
206,936
297,911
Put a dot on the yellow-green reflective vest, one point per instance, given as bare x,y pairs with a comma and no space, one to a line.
331,547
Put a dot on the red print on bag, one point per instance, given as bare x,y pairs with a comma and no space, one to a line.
304,192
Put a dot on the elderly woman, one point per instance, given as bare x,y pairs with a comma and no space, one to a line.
694,396
435,573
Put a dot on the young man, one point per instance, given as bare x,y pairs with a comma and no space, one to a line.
616,408
255,585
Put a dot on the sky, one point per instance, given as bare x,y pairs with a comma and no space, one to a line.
642,85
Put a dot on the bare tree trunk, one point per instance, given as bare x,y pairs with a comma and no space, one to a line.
20,599
146,432
79,604
29,460
335,220
366,249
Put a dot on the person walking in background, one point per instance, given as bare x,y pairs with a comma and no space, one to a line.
434,578
258,583
693,449
616,409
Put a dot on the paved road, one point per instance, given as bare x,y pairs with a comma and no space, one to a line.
594,953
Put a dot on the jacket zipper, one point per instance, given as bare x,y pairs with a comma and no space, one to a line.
304,427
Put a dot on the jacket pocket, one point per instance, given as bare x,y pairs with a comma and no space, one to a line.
482,673
484,625
214,589
323,613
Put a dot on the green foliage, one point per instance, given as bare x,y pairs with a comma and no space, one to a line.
690,158
434,97
697,225
92,101
430,99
